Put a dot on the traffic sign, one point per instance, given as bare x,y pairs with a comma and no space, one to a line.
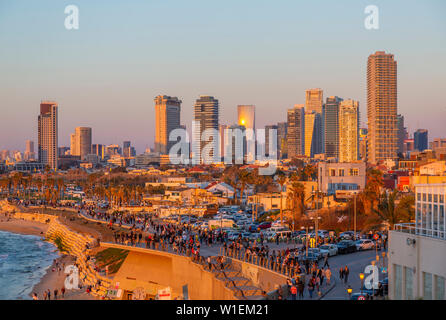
376,236
384,270
361,298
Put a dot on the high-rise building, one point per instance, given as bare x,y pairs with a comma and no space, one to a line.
127,150
206,113
331,127
313,133
167,115
81,142
382,106
247,116
282,144
48,134
314,100
402,133
296,131
268,130
222,142
99,150
29,151
348,131
420,139
363,144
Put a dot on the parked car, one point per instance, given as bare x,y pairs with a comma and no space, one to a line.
364,244
316,252
265,225
346,246
328,249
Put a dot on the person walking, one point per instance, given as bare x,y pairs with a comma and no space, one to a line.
311,285
63,292
301,287
55,294
341,273
346,272
328,276
293,292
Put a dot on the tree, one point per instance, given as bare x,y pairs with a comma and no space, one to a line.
390,212
296,196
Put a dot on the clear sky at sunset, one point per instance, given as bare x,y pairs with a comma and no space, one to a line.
106,74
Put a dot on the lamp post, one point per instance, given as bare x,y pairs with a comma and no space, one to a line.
361,276
373,285
349,291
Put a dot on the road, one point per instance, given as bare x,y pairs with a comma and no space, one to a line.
356,262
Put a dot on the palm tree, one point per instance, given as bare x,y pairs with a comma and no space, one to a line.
281,180
296,196
390,212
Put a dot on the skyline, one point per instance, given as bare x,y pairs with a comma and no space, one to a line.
113,93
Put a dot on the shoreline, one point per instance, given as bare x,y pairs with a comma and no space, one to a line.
53,278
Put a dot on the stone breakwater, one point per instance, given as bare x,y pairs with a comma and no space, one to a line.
74,244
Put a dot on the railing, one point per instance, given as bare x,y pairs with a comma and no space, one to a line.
411,228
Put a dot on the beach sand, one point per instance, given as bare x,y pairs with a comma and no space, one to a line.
52,279
22,226
55,279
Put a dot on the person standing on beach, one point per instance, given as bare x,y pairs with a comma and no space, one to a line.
35,296
49,294
55,294
45,295
63,292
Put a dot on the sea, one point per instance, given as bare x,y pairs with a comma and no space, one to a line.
24,260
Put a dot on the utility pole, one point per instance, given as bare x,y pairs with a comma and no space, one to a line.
354,219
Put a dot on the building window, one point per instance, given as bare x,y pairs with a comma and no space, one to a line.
398,282
441,198
424,197
409,283
427,286
439,288
418,196
435,197
332,172
429,196
341,172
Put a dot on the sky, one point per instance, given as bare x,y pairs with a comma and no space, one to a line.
106,74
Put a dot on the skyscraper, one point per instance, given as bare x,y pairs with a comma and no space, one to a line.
48,134
81,142
282,144
382,106
402,133
331,126
167,115
313,133
206,113
348,131
247,116
29,151
314,100
363,144
295,128
267,138
420,139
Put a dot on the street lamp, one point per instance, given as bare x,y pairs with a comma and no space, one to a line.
349,291
361,276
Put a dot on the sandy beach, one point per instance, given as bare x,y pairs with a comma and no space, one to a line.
53,279
22,226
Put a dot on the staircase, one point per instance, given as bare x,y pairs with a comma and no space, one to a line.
234,280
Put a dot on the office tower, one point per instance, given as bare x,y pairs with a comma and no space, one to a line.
267,138
222,142
402,133
48,134
295,127
331,127
313,133
246,116
348,131
314,100
408,145
81,142
167,115
282,144
127,150
363,144
29,151
238,148
73,147
420,139
99,150
205,117
382,106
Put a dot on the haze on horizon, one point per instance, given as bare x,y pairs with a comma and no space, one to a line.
106,74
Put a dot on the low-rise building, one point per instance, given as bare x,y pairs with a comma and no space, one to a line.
341,176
